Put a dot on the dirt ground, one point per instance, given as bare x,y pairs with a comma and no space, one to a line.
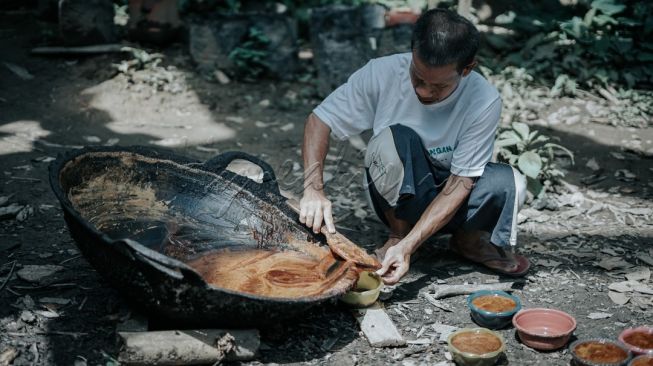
582,242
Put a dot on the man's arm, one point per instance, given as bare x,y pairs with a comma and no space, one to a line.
438,213
314,206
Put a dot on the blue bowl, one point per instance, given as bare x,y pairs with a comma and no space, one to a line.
489,319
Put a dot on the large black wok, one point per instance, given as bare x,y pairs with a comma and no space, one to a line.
139,215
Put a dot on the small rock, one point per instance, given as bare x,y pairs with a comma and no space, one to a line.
264,103
221,77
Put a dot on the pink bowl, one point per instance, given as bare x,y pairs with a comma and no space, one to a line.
634,349
544,329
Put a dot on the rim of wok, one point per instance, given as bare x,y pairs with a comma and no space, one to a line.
264,193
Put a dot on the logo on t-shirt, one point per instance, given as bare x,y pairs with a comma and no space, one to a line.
440,150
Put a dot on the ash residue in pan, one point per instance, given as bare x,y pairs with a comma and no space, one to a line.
181,223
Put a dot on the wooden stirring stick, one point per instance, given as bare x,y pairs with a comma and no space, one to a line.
341,246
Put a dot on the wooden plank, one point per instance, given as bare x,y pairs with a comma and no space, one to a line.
378,327
188,347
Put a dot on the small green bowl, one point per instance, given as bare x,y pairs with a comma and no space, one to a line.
489,319
474,359
366,291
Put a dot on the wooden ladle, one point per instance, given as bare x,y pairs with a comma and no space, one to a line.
341,246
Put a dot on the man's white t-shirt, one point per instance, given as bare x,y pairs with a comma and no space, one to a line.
458,132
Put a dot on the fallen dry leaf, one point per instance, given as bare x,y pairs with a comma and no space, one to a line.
613,263
618,297
444,330
643,273
624,286
631,286
643,289
645,258
35,273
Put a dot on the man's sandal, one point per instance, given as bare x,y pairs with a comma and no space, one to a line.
499,262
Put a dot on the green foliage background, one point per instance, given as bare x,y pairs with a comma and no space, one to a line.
590,44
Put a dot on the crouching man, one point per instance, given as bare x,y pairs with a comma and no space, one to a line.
428,165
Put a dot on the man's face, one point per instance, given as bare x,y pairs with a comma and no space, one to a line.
434,84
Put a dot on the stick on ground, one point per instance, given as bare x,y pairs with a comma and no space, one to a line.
83,50
442,291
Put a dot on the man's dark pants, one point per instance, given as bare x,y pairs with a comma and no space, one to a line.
400,175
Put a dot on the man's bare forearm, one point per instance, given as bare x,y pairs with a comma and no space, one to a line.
440,211
314,151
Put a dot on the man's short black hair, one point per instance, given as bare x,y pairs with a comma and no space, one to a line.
442,37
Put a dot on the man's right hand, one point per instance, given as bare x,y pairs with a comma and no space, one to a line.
314,208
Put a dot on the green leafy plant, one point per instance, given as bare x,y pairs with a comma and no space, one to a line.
592,44
249,57
533,154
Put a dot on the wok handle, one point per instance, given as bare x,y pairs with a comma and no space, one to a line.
162,263
220,163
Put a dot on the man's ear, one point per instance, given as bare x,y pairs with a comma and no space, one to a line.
469,68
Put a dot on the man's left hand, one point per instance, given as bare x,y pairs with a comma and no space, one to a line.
395,264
